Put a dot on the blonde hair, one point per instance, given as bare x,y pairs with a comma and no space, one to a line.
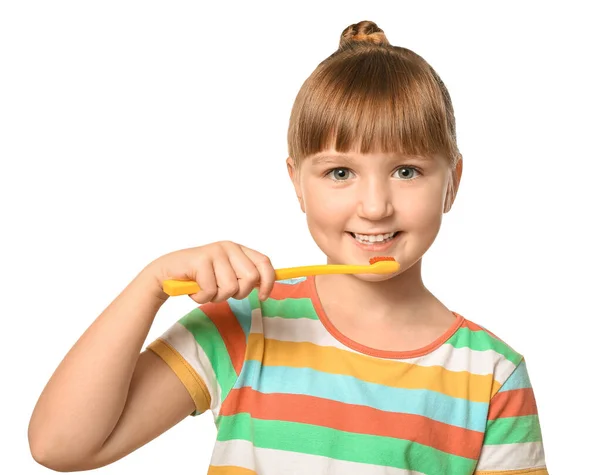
372,97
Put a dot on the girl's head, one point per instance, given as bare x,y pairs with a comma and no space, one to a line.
389,113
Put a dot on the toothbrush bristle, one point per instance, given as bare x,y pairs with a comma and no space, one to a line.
373,260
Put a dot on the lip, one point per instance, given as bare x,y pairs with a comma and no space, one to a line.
376,246
374,233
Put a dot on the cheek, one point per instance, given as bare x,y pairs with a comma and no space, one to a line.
421,210
327,212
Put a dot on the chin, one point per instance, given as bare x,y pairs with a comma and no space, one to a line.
376,277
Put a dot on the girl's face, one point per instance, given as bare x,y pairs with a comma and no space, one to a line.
352,198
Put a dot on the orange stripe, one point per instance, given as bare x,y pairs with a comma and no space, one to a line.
354,418
513,403
230,329
229,470
284,291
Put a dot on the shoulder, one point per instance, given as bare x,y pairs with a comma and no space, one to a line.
502,359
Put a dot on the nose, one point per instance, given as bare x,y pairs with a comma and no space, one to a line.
374,200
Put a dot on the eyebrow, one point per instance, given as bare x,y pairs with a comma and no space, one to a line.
324,158
318,159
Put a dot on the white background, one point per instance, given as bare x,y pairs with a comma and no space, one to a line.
131,129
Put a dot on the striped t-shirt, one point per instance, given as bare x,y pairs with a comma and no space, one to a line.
291,395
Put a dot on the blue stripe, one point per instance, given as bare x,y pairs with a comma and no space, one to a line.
350,390
243,312
292,281
519,379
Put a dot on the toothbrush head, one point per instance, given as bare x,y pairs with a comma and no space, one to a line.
384,265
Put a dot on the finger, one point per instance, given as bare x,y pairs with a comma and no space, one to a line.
227,281
246,271
265,269
205,276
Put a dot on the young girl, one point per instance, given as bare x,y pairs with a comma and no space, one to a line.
333,374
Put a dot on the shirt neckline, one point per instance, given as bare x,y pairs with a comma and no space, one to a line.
316,302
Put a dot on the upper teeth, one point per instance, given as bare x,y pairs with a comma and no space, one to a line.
371,238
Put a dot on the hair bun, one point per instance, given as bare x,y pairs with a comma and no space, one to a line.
365,32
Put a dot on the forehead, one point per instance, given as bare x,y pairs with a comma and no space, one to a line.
331,156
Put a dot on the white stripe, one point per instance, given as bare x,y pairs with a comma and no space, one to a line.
453,359
241,453
512,456
256,324
180,338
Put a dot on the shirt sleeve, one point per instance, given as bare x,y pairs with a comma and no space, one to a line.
513,440
206,349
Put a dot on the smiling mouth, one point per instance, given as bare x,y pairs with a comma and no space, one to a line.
374,239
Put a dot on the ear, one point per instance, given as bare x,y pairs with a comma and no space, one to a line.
294,174
453,184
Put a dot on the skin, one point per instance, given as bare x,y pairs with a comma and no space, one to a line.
108,397
367,193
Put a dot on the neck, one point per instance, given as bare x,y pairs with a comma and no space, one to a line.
403,298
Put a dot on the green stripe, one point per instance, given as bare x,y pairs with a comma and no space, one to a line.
208,337
253,299
513,430
289,308
341,445
482,341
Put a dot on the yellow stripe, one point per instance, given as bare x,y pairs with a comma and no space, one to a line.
397,374
526,471
188,375
229,470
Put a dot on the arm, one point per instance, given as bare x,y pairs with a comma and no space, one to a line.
106,399
105,383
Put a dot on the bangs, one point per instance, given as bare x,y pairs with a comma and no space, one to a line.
371,100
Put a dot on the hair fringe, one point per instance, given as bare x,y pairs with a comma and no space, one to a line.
370,96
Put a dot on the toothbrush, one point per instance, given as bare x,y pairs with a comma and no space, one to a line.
378,265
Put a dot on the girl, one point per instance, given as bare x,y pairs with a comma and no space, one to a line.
333,374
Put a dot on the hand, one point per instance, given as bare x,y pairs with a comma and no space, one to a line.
222,269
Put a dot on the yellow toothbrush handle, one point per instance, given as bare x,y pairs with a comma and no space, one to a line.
180,287
186,287
293,272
